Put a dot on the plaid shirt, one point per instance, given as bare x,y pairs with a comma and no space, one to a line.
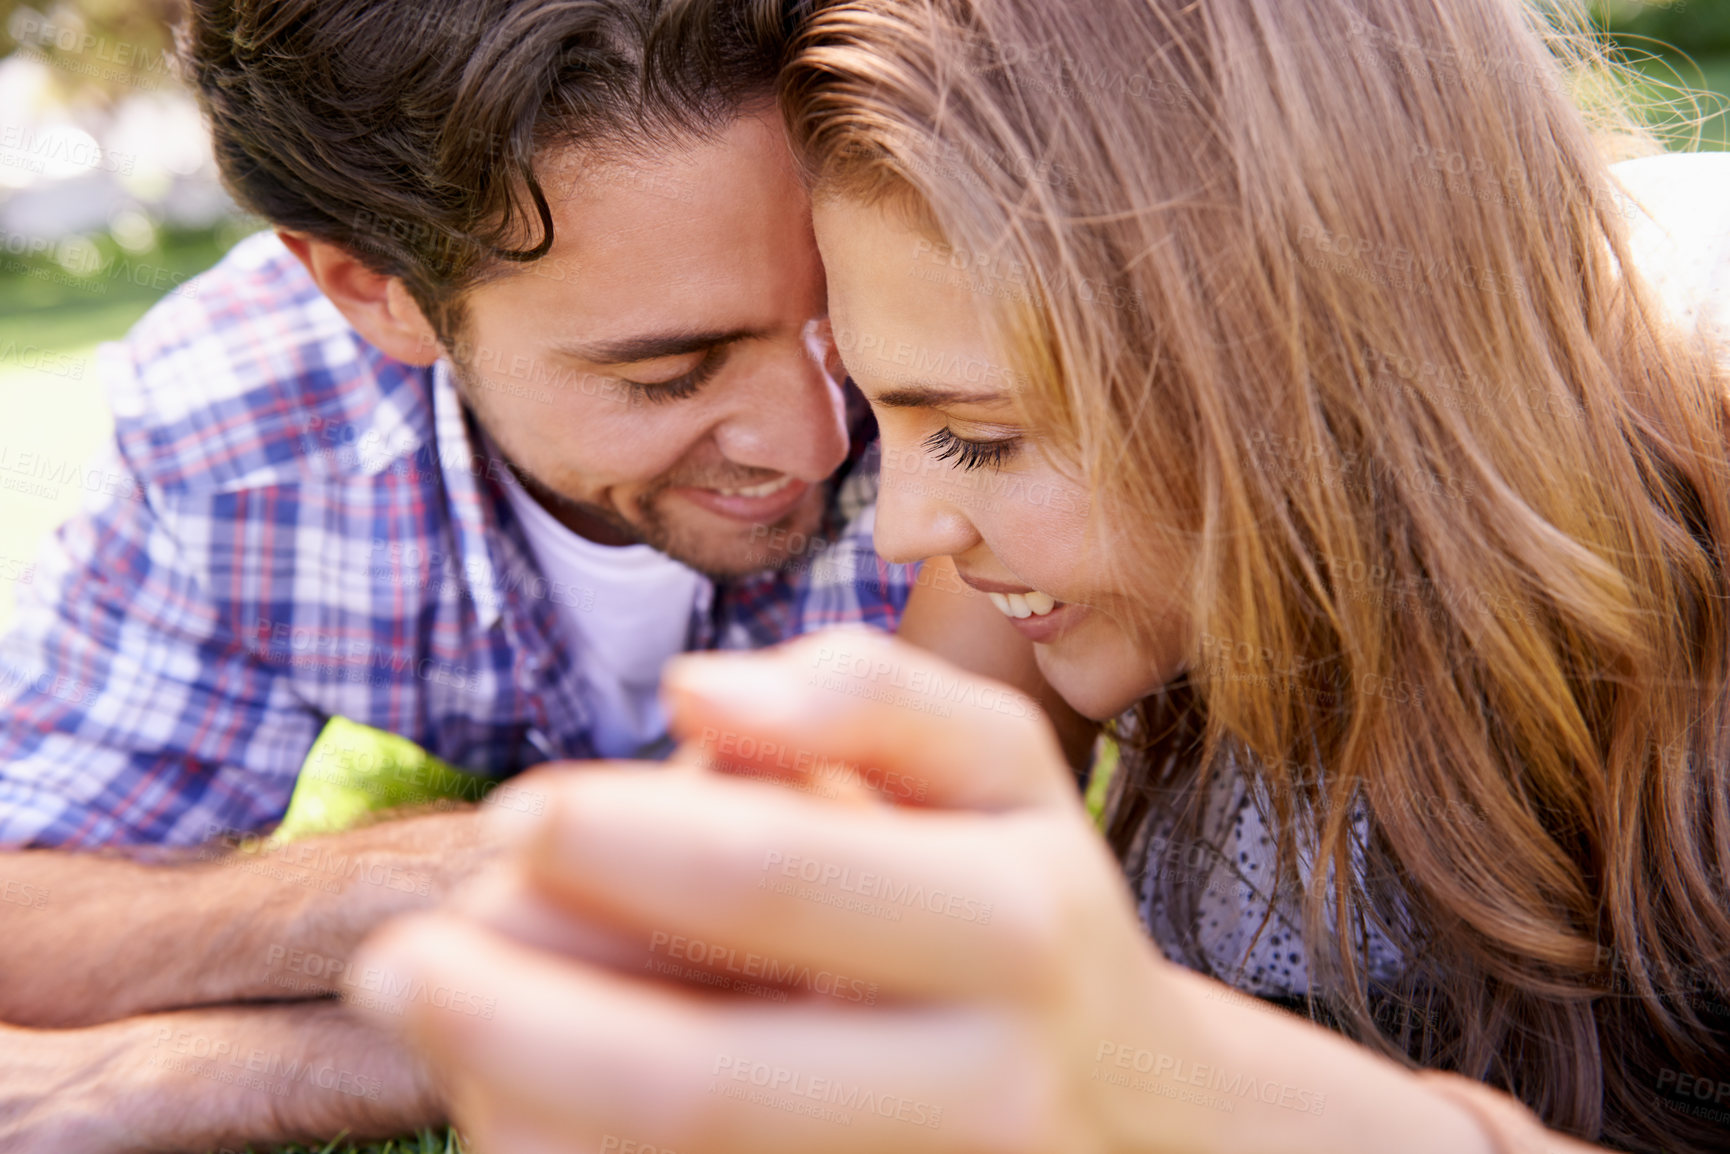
293,526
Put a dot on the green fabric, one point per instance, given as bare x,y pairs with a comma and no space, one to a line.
1105,763
354,771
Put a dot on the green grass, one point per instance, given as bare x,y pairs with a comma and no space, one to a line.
98,299
426,1142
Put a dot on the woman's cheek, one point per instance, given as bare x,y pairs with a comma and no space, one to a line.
1038,527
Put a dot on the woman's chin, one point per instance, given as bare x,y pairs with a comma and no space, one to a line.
1100,680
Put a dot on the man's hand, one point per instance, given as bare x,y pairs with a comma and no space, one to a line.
205,1079
102,938
48,1092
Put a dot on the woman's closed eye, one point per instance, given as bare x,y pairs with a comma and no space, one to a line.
970,455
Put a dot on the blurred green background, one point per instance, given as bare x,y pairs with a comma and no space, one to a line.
108,198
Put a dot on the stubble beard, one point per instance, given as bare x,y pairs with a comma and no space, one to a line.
761,548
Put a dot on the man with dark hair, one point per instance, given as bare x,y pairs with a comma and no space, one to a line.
525,395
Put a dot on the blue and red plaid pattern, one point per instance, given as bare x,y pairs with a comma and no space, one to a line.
303,528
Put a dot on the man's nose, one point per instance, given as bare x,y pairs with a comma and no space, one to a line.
790,417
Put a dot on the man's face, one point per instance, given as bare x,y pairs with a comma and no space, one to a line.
656,375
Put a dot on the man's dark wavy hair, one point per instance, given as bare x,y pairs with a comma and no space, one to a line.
406,132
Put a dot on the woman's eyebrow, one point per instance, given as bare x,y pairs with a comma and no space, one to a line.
923,396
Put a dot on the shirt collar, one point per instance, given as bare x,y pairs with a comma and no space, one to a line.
470,521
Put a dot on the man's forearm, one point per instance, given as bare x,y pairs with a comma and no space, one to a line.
201,1080
87,939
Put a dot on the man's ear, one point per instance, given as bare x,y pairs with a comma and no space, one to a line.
379,307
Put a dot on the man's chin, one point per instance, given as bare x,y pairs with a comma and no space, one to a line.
724,548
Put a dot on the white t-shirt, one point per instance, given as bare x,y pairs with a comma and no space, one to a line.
638,618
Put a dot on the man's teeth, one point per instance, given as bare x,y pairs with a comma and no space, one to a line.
766,489
1018,605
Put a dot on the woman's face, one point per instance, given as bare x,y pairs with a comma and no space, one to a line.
964,476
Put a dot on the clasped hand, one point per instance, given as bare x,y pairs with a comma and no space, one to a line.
922,945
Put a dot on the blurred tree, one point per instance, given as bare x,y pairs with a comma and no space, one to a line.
101,49
1697,27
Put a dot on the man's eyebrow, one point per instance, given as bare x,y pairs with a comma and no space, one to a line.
923,396
629,350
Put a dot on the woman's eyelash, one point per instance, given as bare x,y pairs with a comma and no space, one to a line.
946,446
680,387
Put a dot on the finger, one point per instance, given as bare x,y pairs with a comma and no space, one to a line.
587,1054
506,902
920,902
846,703
739,755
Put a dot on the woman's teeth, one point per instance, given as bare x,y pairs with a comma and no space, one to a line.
1020,605
766,489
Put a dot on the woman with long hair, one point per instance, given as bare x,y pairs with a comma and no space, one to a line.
1290,373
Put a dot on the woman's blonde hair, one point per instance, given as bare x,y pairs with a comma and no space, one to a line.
1328,298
